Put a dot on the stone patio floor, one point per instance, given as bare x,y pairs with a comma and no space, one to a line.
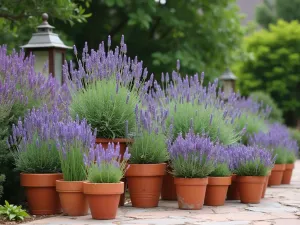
281,206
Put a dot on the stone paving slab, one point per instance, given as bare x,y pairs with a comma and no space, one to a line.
281,206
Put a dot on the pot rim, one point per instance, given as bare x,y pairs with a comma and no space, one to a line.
289,166
146,170
191,181
251,179
69,186
39,180
219,181
103,188
279,167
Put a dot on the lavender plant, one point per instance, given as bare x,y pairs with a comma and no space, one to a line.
35,141
106,87
251,160
105,165
74,139
150,142
192,156
223,162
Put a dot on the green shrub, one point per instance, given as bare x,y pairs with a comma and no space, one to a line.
148,148
295,135
2,179
106,108
207,120
266,100
12,212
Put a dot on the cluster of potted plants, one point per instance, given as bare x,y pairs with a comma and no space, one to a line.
125,131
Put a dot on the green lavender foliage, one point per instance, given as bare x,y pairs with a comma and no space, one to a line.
149,148
44,159
221,170
290,157
107,172
12,212
199,116
72,164
106,109
252,168
281,155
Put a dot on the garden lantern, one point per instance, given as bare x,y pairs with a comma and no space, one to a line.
47,48
228,82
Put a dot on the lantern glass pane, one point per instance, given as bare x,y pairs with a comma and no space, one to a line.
58,66
41,62
227,85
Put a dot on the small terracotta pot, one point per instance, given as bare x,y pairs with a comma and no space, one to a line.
190,192
168,190
276,174
144,184
265,186
71,197
40,192
216,190
123,144
103,199
233,190
287,174
251,188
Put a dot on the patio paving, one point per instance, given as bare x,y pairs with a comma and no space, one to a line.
281,206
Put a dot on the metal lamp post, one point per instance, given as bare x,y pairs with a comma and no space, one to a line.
47,48
228,80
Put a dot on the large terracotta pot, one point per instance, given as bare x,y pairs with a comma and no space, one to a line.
144,184
251,188
287,174
216,190
103,199
71,196
265,186
168,190
276,174
233,190
41,194
123,144
190,192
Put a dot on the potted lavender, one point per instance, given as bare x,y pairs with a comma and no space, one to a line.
290,162
252,164
104,187
219,179
147,162
74,139
192,160
37,158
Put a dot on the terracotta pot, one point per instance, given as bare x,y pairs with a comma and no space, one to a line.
40,192
216,190
168,190
276,174
233,190
265,186
123,144
144,184
190,192
71,197
251,188
287,174
103,199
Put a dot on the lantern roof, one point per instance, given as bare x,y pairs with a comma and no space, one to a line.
44,37
228,75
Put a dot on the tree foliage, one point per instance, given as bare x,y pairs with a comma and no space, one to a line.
18,18
273,65
271,10
203,33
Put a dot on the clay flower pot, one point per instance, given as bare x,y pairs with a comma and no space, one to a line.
40,192
233,190
168,190
71,197
287,174
265,186
103,199
123,144
190,192
251,188
216,190
144,184
276,174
